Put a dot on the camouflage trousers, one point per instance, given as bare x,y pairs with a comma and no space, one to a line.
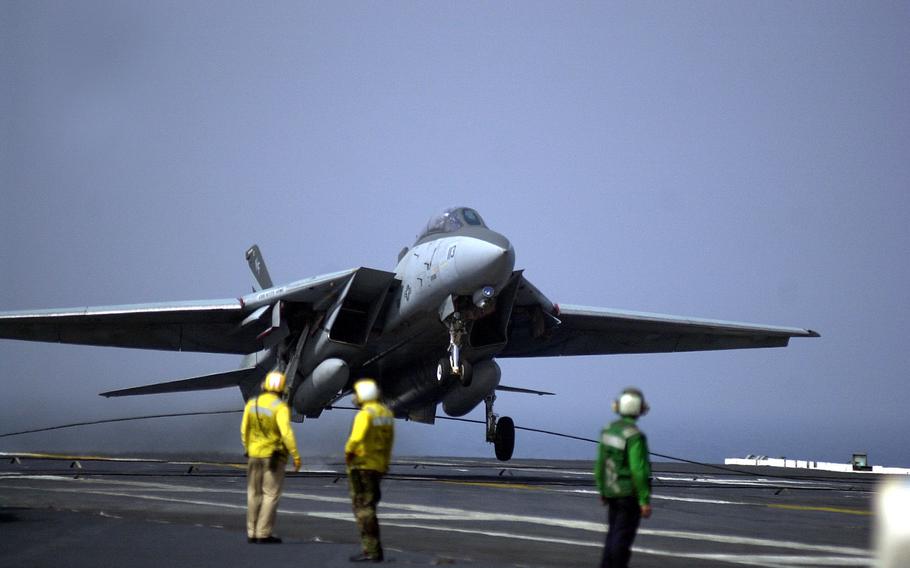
365,495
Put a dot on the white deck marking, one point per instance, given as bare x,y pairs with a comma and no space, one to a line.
757,482
848,556
669,498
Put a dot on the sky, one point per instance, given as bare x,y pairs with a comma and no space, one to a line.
727,160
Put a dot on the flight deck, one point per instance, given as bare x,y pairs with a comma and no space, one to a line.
77,511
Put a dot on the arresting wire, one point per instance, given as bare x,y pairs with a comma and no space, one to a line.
579,438
124,419
451,418
665,456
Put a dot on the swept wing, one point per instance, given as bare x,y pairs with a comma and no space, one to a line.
582,330
210,326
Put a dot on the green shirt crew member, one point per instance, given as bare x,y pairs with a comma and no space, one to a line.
623,476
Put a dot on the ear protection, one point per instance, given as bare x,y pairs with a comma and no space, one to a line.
631,403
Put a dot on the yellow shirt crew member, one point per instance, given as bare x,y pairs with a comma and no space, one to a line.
367,454
268,440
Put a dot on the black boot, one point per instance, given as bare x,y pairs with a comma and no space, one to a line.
364,557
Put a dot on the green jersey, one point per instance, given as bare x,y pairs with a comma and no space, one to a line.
622,467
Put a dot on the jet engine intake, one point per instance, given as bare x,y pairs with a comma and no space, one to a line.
318,389
462,399
491,331
358,306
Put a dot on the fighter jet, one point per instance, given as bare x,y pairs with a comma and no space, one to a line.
430,332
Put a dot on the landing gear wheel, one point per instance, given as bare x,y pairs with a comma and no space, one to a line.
467,373
504,438
445,373
444,370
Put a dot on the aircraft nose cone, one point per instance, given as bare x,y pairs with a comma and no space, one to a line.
505,264
486,263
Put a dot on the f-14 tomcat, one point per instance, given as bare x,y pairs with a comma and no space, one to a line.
429,332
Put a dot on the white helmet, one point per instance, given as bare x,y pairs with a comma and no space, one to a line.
274,382
631,403
366,390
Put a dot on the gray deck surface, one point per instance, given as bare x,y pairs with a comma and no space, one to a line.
434,511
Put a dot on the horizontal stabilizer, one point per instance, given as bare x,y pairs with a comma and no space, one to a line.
205,382
521,390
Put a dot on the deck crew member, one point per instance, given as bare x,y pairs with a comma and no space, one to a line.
623,475
267,440
367,454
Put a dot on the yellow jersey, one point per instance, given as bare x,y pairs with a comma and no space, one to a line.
372,436
266,427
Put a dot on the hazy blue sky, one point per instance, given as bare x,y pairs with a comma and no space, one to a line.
732,160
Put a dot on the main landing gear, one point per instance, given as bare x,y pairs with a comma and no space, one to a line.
454,366
500,431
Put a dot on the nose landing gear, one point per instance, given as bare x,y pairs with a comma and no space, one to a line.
454,366
500,431
446,371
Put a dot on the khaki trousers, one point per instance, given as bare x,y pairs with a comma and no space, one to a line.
265,476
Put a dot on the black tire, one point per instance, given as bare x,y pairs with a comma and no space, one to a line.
504,439
467,374
443,371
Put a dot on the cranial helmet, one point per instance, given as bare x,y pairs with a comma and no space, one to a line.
631,402
366,390
274,382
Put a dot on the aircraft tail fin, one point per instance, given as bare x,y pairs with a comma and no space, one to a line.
228,379
257,265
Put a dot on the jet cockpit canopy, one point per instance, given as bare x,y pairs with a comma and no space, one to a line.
451,220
